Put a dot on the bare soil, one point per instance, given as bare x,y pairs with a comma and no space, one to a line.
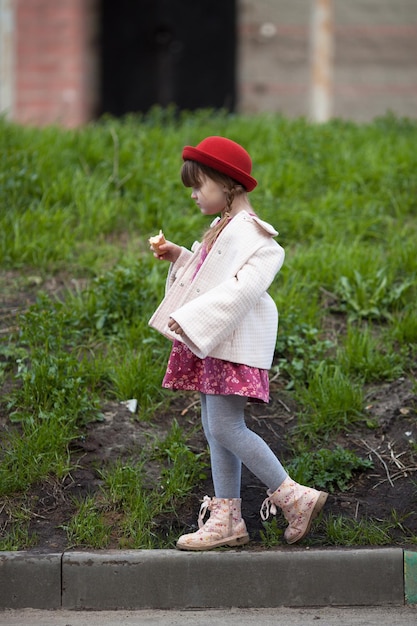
376,493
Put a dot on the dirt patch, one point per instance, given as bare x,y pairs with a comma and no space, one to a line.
389,486
391,443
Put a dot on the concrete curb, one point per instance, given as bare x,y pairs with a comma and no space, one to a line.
170,579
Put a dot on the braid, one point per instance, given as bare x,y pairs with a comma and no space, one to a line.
212,233
192,174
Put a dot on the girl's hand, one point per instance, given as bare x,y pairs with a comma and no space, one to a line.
175,327
167,251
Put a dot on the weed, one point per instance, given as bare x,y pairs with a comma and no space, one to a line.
299,350
327,469
343,531
405,328
134,505
120,296
88,527
50,374
332,402
131,377
135,502
360,355
17,537
271,535
399,522
123,481
38,450
372,297
15,519
184,468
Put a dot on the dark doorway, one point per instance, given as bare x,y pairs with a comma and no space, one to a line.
180,52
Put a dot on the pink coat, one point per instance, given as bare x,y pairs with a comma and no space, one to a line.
226,312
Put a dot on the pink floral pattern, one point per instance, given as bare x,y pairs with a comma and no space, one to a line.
225,526
185,371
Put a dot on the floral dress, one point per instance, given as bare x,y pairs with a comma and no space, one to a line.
186,371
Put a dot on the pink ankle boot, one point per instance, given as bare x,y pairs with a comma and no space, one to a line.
225,526
300,505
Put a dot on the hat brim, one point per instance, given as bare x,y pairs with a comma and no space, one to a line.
194,154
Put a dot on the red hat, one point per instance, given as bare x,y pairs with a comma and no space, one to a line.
225,156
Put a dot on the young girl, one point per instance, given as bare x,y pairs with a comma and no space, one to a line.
223,325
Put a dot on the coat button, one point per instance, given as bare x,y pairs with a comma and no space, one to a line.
198,290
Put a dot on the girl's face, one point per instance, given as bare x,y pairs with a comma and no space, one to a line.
210,197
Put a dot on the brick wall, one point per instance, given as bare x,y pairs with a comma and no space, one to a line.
54,68
56,58
375,57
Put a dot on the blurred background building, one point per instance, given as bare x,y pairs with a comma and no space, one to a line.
70,61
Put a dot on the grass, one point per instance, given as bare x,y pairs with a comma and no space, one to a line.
337,530
364,532
332,402
82,203
327,469
15,534
128,507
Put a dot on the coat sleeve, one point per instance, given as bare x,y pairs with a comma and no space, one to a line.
211,318
176,268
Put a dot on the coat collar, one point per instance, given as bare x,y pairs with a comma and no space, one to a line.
245,216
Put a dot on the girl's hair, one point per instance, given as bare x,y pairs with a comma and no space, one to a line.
193,175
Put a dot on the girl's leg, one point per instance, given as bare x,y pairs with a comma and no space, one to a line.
225,526
231,441
226,468
230,438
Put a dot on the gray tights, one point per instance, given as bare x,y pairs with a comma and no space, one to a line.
232,443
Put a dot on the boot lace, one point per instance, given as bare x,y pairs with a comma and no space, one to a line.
268,508
205,506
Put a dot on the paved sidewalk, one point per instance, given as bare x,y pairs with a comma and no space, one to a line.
357,616
175,580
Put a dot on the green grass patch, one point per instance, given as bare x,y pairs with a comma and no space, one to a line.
79,206
129,504
327,469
